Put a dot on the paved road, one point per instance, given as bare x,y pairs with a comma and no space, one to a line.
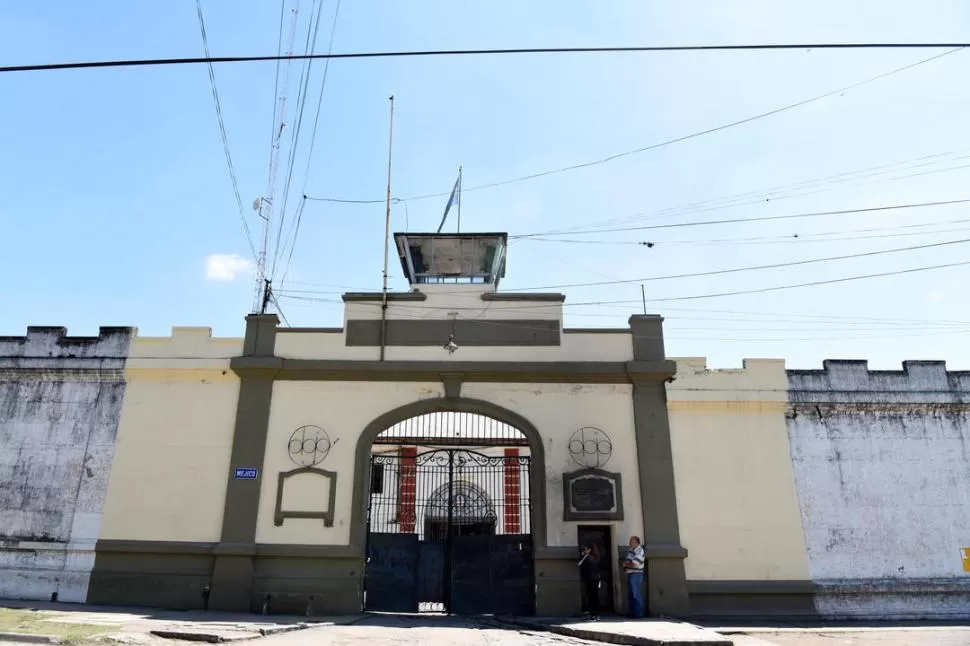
873,637
454,631
418,631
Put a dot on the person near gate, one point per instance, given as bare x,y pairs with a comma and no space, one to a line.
633,566
589,575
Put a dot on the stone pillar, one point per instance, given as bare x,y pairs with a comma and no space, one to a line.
232,575
666,580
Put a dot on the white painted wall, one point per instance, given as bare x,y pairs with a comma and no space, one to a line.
882,465
60,399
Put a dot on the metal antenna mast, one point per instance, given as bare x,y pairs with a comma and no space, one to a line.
387,230
264,205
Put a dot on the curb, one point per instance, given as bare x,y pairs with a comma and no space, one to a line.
276,630
211,638
214,638
614,638
29,637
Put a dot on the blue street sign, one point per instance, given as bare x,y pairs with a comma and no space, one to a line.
246,473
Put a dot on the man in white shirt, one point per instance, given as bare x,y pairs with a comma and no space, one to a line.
633,566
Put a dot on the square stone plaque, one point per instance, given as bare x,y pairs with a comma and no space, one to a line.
592,494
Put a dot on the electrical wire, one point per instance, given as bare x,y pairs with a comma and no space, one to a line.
779,265
719,294
832,281
891,333
822,236
276,82
783,192
153,62
313,140
787,314
698,223
679,139
313,28
279,309
222,132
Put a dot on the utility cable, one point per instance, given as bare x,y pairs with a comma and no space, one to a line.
777,193
687,137
821,236
154,62
698,223
313,140
719,294
779,265
313,28
222,132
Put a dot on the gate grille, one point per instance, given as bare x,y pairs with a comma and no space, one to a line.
447,526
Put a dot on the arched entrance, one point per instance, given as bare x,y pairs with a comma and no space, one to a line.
449,514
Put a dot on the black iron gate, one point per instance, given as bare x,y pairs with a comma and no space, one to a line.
450,530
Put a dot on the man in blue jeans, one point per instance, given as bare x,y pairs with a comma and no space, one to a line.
633,566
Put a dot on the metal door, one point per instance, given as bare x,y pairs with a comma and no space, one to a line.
457,522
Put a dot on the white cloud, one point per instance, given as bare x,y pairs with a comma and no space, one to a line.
222,266
935,296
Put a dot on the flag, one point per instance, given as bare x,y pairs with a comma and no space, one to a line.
453,199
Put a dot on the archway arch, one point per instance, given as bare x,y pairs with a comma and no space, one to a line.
537,479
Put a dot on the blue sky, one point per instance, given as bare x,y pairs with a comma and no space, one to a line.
116,190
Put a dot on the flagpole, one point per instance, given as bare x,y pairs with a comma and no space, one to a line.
459,200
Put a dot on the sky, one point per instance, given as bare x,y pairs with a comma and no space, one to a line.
118,208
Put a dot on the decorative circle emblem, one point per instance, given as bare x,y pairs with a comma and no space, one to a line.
590,447
308,446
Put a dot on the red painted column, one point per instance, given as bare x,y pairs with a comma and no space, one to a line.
513,494
407,482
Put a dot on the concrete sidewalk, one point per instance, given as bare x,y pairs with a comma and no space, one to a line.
137,625
631,632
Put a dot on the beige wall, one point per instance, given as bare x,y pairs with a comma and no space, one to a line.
739,515
557,411
463,299
343,410
168,478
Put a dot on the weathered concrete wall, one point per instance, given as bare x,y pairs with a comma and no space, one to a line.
881,464
60,401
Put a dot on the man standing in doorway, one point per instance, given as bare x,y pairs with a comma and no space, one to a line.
633,566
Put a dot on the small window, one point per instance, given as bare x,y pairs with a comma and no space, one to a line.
377,478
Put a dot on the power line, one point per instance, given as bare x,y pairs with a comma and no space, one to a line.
222,132
313,140
777,193
813,318
153,62
279,309
313,27
675,140
712,295
734,270
811,284
779,265
892,333
677,225
822,236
